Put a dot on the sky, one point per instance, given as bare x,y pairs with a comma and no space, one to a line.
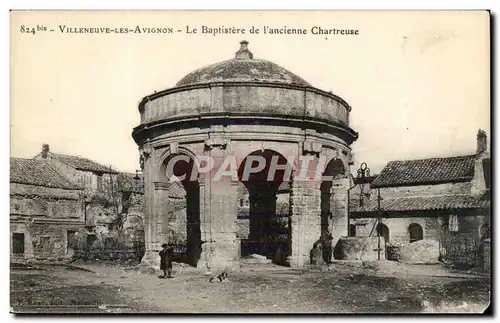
418,82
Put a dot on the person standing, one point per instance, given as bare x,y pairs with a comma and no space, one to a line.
166,255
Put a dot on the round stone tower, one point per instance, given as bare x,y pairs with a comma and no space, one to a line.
206,190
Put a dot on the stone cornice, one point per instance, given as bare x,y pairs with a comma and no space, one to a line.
349,134
295,138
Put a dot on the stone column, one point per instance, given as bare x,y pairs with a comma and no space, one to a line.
339,209
305,205
205,225
161,214
220,212
148,167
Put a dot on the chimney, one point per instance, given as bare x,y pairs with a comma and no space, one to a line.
45,150
481,142
243,52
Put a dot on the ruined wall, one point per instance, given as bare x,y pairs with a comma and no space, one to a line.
44,215
30,200
44,241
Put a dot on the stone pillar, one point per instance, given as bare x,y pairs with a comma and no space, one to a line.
305,205
339,209
161,214
148,167
220,212
205,225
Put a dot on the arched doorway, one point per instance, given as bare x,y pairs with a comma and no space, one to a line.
183,207
416,232
383,231
269,228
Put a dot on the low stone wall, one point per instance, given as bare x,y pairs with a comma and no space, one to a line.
110,254
359,248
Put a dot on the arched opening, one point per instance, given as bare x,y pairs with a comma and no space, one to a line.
383,231
179,170
416,232
329,215
352,230
268,217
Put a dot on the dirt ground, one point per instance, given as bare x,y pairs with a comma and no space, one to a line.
380,287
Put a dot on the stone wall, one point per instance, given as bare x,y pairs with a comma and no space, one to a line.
487,254
44,241
44,216
419,190
398,227
119,255
370,194
459,248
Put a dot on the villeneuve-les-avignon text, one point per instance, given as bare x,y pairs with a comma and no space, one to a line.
219,30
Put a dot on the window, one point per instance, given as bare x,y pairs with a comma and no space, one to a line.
453,223
18,243
352,230
416,232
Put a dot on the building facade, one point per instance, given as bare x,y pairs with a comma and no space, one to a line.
242,108
446,200
46,212
53,193
102,192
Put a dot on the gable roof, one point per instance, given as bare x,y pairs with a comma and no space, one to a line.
82,163
426,171
37,172
128,183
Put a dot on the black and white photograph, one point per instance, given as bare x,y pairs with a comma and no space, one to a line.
250,162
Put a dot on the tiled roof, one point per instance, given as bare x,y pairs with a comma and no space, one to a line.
37,172
128,183
426,171
422,203
82,163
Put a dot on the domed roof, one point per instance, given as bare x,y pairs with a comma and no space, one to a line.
242,68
